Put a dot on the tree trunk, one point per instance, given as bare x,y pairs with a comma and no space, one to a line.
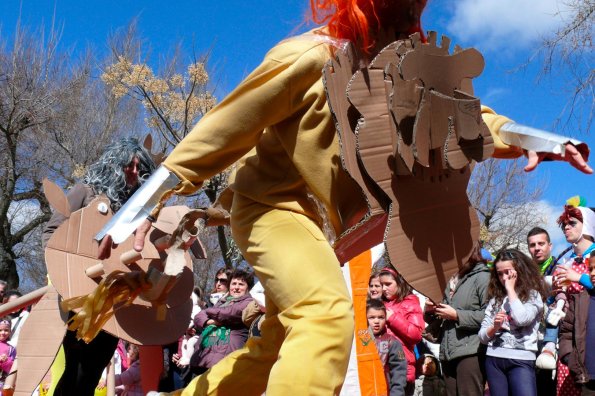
8,266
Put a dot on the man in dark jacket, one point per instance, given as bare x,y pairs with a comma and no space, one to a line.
577,337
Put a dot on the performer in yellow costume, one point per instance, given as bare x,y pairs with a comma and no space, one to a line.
281,110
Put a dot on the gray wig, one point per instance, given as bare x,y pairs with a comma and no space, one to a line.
106,176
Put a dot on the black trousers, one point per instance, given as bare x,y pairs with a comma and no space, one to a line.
588,389
465,376
84,363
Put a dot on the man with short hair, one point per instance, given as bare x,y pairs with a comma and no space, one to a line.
540,248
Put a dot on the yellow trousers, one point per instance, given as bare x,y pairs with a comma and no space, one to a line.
308,328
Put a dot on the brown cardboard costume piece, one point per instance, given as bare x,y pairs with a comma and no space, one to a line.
75,271
39,342
410,131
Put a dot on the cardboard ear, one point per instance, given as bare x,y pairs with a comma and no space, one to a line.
148,142
56,198
158,158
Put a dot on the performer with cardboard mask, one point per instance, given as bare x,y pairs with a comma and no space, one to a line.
281,109
118,173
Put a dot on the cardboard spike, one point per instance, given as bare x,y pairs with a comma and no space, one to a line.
445,43
432,38
148,142
416,39
158,158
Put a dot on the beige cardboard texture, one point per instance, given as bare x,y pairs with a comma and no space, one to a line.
417,135
71,251
337,75
39,342
55,197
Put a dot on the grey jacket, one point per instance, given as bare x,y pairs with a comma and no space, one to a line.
470,299
517,339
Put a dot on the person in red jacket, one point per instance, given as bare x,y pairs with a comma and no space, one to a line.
404,316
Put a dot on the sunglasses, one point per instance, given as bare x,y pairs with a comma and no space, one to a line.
222,280
571,223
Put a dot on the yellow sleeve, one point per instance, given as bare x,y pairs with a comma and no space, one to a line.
494,122
234,126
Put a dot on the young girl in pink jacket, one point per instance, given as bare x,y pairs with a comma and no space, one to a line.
7,352
404,316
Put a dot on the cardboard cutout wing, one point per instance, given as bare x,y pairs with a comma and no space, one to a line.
410,131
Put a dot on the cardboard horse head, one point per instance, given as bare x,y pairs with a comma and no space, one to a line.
161,312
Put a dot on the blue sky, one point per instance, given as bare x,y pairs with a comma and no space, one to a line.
238,34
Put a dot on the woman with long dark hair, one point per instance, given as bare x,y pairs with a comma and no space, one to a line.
511,323
460,315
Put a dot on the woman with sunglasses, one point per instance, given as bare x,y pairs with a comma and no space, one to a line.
221,326
511,324
221,286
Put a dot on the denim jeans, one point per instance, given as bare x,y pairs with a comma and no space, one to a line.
511,377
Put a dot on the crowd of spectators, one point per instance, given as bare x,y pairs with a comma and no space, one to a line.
505,326
516,325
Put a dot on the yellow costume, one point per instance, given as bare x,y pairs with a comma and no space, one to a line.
281,109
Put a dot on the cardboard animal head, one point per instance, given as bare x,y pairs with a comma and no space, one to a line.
75,271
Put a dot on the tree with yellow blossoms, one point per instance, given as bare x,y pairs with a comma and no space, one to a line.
174,100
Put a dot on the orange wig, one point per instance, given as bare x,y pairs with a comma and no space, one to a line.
360,20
